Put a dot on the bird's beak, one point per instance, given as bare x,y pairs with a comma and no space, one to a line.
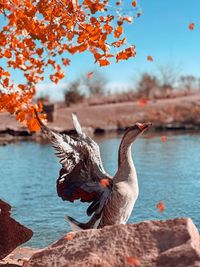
143,126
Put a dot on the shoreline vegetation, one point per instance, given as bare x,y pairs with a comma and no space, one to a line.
174,113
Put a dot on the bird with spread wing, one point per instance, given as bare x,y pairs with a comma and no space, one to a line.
83,177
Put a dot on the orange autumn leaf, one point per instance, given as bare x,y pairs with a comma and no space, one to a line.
126,54
134,3
119,43
7,53
133,261
143,102
104,182
98,56
118,31
20,116
50,61
36,33
128,19
33,125
120,22
90,74
40,107
160,206
108,28
22,86
191,26
149,58
103,62
164,138
39,51
6,82
65,61
70,236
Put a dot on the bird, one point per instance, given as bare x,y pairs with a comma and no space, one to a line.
82,175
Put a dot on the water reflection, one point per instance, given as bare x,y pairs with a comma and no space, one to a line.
167,171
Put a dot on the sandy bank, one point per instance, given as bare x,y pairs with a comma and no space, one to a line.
166,114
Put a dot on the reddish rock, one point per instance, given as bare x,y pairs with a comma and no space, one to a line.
171,243
12,234
18,256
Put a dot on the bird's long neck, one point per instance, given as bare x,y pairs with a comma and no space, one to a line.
124,154
126,168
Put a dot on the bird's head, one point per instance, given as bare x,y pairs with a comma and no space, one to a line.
143,126
135,130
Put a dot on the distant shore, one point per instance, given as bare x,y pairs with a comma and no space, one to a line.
181,113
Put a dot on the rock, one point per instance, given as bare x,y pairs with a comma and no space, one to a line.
12,234
18,256
171,243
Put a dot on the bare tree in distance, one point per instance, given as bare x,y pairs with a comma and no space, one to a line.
148,86
169,75
95,85
189,82
73,94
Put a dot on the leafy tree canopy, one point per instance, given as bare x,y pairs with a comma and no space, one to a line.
36,32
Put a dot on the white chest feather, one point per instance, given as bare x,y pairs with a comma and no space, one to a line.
127,194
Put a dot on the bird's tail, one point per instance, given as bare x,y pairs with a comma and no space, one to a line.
78,226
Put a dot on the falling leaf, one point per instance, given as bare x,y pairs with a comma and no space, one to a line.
90,74
143,102
164,138
149,58
134,3
160,206
104,182
191,26
70,236
133,261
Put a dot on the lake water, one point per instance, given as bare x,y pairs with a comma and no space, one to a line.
167,171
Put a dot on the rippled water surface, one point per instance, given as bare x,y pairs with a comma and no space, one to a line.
166,171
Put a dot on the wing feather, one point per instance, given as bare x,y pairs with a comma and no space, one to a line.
64,146
82,168
76,124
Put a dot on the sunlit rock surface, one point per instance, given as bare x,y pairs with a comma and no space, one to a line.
171,243
12,234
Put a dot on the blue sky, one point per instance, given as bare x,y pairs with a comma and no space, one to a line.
162,32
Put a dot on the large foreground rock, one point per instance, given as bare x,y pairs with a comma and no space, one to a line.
12,234
171,243
18,257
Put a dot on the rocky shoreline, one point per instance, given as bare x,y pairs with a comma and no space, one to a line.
181,113
169,243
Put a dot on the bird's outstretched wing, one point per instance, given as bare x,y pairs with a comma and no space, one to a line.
82,175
